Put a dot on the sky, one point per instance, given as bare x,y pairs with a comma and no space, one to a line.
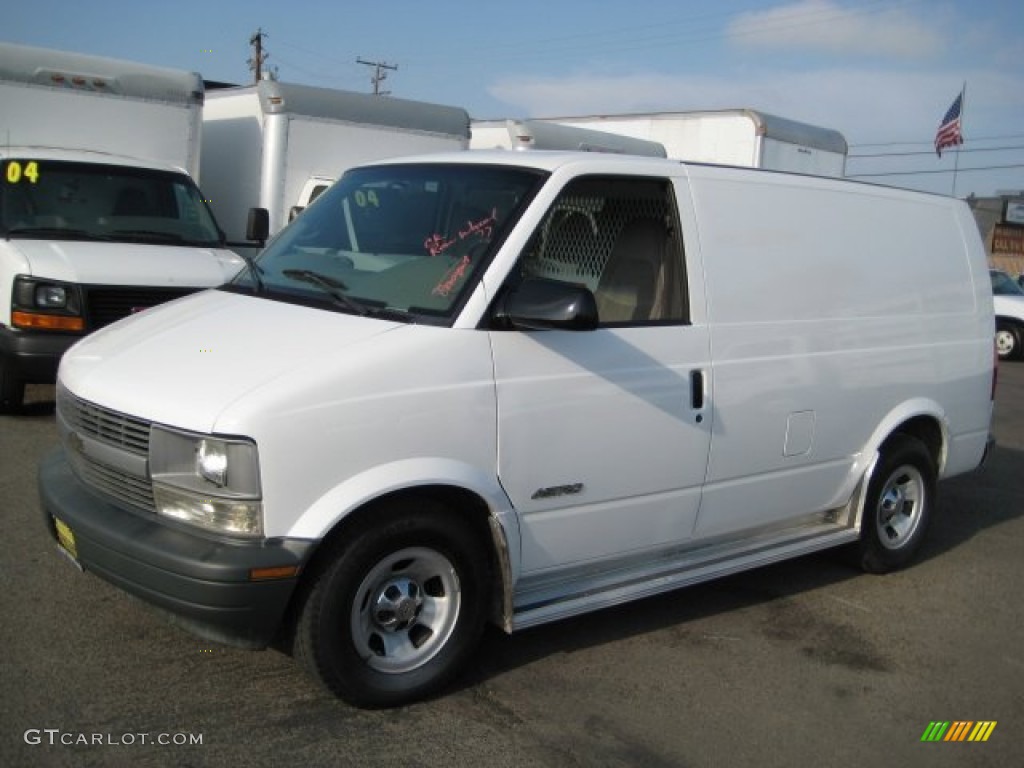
883,73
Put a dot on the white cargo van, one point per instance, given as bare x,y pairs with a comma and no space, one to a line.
518,386
99,217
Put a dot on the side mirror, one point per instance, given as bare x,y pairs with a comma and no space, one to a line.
540,305
257,226
294,211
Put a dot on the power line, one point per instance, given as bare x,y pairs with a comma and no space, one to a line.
946,170
932,152
1005,137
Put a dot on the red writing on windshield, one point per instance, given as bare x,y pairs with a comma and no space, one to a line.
452,277
437,244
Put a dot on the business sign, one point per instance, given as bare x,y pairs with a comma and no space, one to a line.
1008,240
1013,212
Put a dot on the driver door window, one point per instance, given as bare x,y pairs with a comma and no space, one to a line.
619,238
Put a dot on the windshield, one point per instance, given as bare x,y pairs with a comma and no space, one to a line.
406,239
1004,285
50,199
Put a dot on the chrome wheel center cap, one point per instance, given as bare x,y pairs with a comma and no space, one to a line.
397,604
893,502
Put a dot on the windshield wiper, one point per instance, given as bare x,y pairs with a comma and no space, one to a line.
390,313
254,270
149,234
55,232
330,286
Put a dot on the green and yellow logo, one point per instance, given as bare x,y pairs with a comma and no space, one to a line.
958,730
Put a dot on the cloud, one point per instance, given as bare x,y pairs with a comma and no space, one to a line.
823,26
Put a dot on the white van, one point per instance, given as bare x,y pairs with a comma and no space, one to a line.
516,387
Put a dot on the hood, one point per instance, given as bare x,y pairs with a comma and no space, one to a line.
1009,306
75,261
183,363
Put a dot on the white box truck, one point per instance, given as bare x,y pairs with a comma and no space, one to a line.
538,134
742,137
519,386
99,217
276,146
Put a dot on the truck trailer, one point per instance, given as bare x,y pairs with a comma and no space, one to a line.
742,137
538,134
276,146
100,216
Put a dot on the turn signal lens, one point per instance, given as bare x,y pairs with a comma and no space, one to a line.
22,319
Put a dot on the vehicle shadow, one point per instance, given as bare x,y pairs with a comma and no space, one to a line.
40,402
966,506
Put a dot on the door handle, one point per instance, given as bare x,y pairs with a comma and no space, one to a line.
697,389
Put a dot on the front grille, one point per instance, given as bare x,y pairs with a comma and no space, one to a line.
121,432
105,305
123,487
107,426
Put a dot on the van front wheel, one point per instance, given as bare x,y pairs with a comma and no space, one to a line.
898,505
398,609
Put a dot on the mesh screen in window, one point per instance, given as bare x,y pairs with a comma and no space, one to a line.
618,238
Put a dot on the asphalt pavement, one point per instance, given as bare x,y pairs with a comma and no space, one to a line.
806,663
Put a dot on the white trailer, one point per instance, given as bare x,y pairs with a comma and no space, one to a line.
538,134
100,215
277,145
742,137
74,101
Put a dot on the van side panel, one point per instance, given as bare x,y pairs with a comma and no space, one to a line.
830,305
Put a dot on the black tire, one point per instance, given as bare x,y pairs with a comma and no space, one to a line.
1008,341
898,506
12,390
396,607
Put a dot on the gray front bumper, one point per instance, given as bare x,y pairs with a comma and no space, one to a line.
203,583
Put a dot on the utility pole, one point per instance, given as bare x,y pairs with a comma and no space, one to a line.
259,55
379,75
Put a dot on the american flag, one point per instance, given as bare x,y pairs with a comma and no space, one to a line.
949,134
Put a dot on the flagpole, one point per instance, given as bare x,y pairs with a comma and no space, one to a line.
956,160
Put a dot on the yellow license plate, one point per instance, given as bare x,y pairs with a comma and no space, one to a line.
66,538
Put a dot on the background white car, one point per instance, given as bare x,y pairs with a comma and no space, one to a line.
1009,303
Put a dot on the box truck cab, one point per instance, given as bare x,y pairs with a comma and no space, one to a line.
99,216
518,386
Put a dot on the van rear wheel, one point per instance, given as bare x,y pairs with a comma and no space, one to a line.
898,505
398,608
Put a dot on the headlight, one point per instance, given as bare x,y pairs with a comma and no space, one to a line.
51,296
40,304
210,482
